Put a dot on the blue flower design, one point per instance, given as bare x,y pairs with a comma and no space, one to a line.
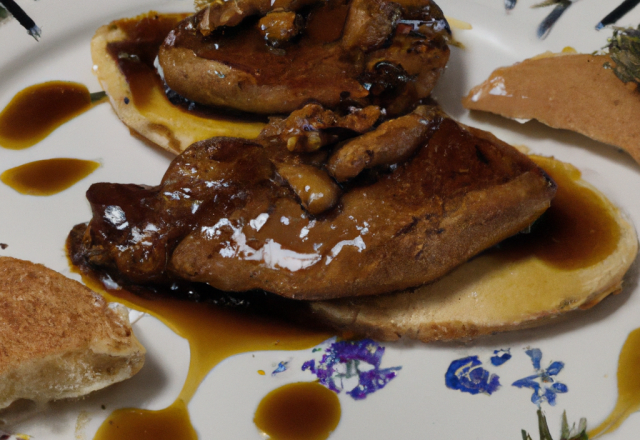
542,383
282,366
467,376
500,356
344,360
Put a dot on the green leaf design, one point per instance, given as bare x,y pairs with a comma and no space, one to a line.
3,13
543,427
97,96
624,50
566,433
547,3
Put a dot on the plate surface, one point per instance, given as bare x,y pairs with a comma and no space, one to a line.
416,403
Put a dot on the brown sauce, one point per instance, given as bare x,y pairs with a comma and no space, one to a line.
38,110
628,386
325,24
577,231
214,334
136,54
299,411
171,423
47,177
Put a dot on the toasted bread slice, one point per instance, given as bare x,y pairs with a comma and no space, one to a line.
492,293
572,91
149,112
58,339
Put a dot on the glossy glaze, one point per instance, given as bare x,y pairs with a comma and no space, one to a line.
243,47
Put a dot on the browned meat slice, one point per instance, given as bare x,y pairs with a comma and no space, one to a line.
392,142
358,52
237,69
223,215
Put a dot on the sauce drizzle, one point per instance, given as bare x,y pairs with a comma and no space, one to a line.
47,177
628,386
214,334
38,110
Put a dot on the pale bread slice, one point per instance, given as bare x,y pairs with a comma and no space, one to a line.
572,91
58,339
159,122
486,295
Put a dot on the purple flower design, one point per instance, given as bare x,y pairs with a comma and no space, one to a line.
542,383
468,376
348,359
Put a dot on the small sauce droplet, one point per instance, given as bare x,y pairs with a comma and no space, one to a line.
628,386
577,231
299,411
171,423
47,177
38,110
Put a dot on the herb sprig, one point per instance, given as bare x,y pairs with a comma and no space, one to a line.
560,7
624,50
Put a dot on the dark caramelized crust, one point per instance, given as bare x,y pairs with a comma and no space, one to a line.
345,52
224,215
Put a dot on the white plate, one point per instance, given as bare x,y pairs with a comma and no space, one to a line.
417,403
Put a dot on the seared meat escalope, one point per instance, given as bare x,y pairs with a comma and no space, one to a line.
273,57
396,207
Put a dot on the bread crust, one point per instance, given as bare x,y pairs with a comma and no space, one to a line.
58,339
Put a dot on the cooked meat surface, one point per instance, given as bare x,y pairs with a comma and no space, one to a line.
334,52
309,128
279,27
232,213
231,12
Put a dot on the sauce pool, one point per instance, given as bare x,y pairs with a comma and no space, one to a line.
36,111
47,177
171,423
577,231
299,411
